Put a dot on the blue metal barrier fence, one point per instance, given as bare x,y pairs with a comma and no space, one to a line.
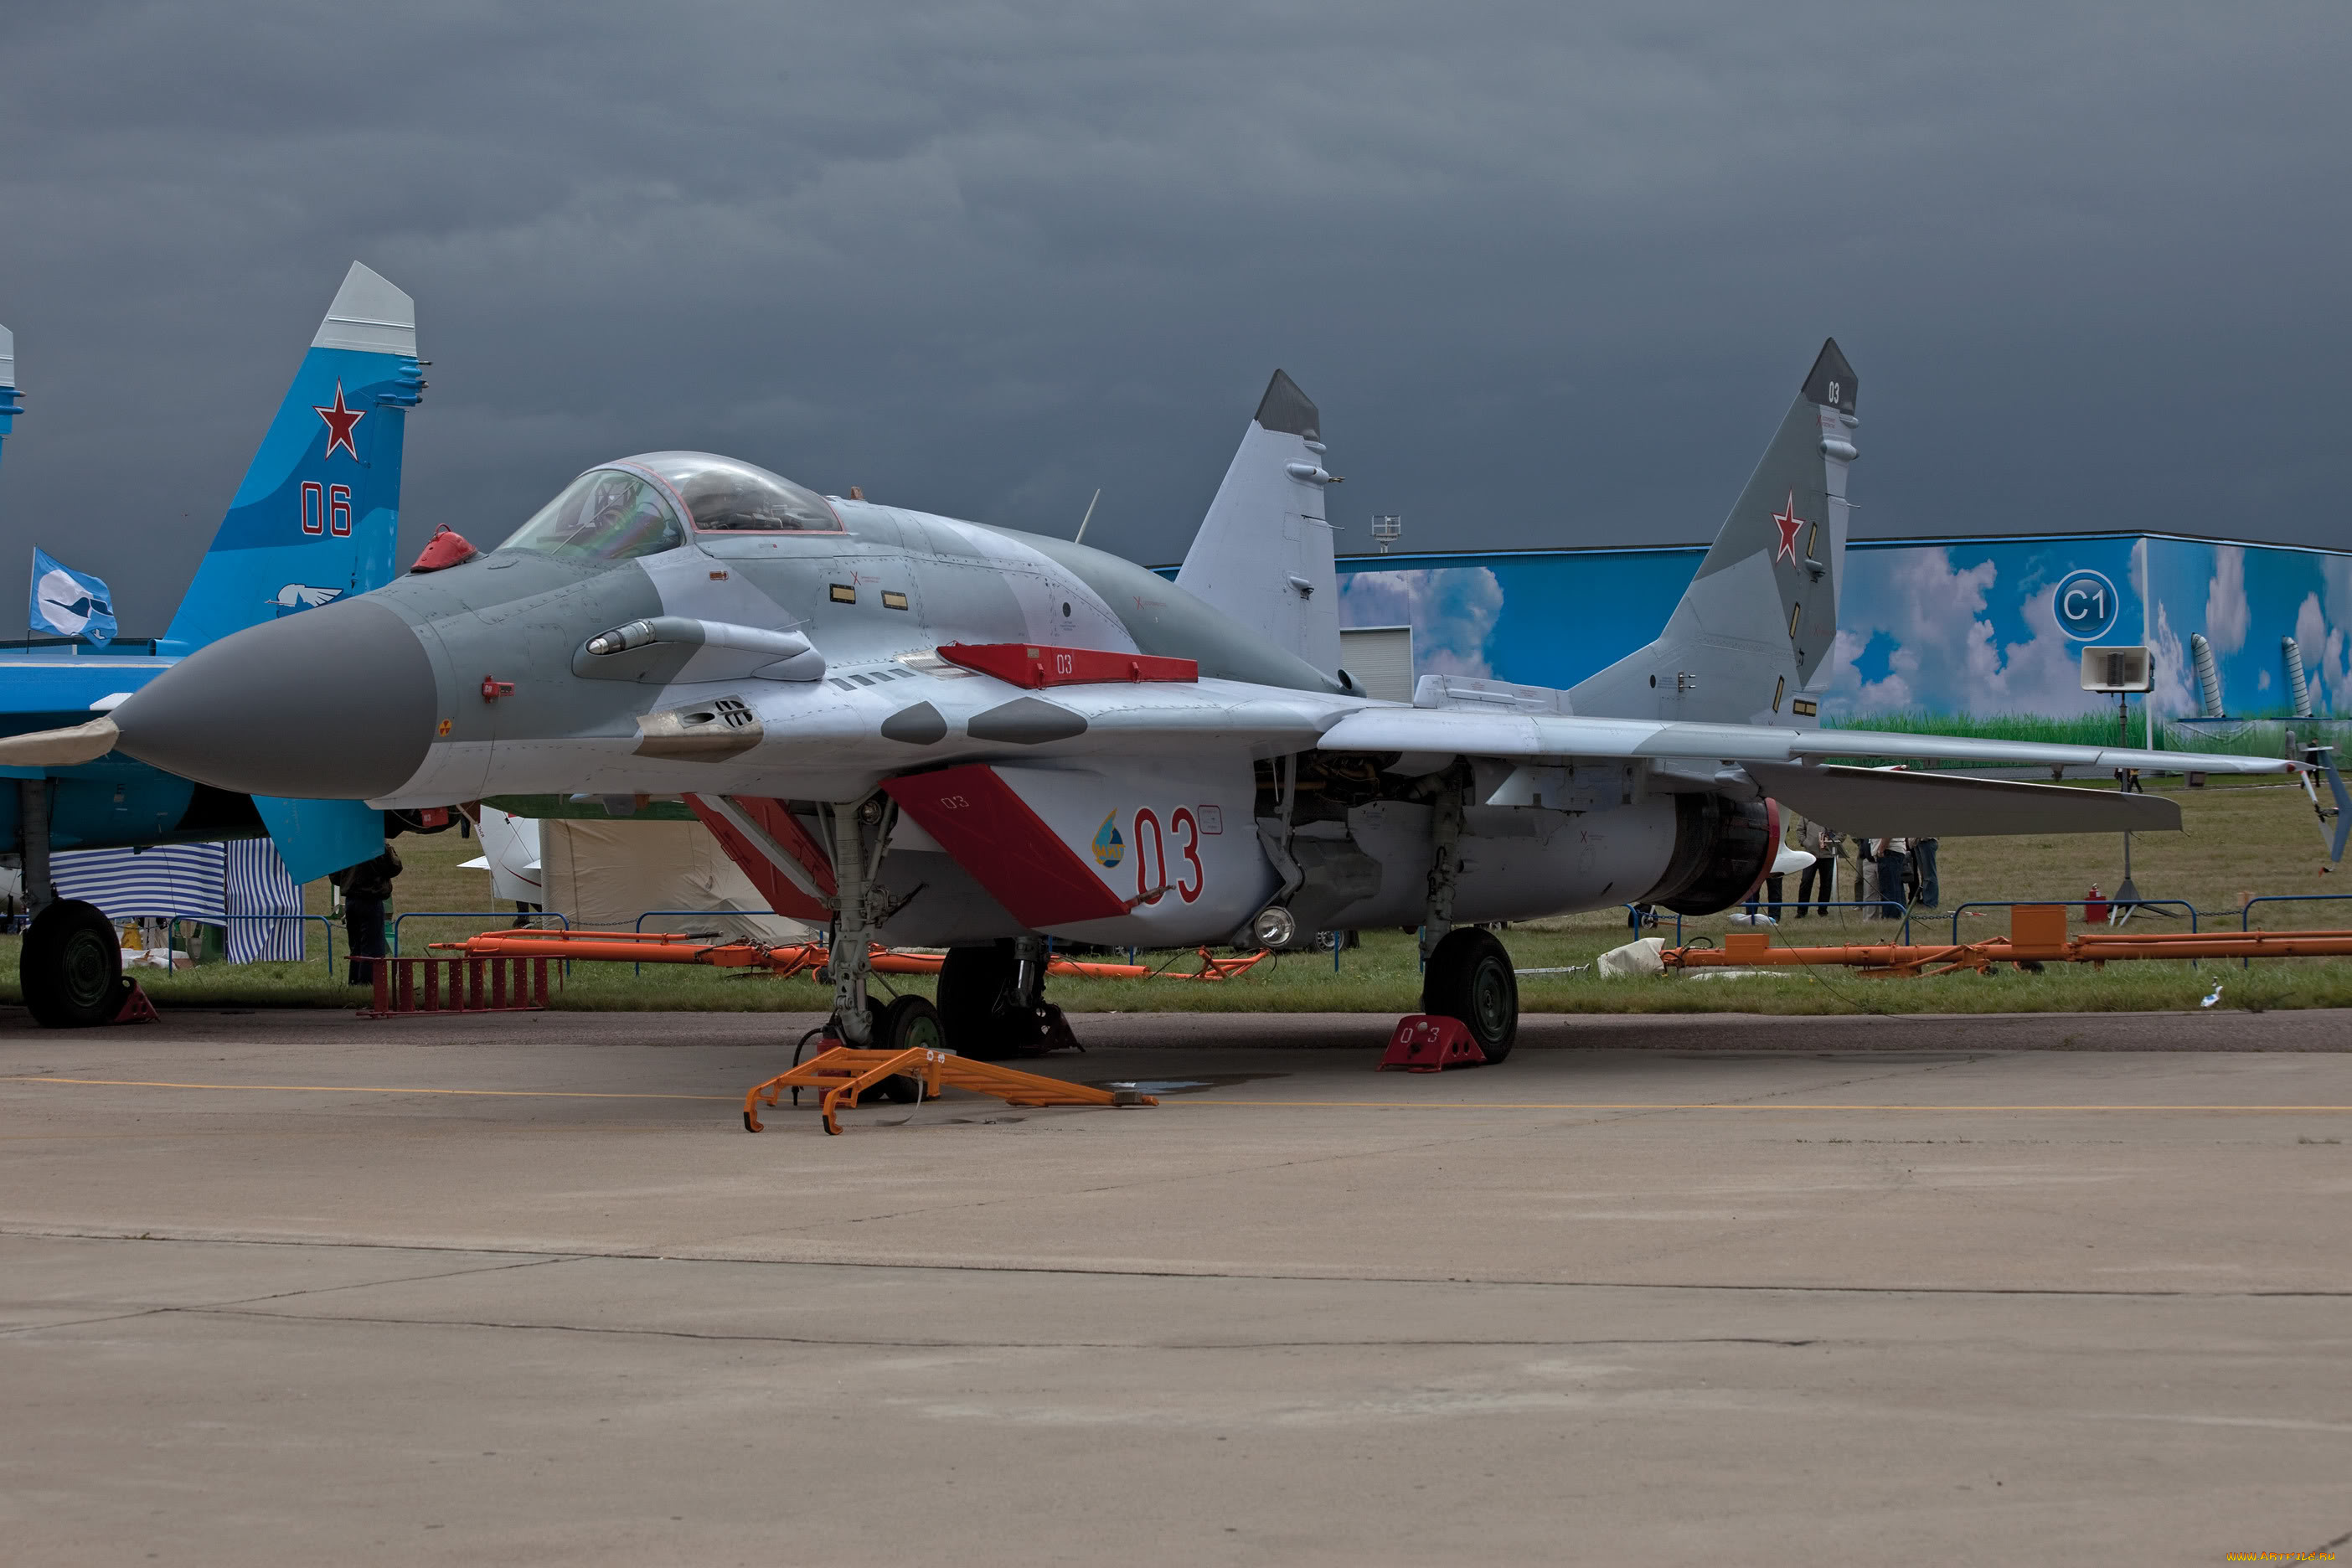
2071,904
508,915
1887,909
2245,915
323,919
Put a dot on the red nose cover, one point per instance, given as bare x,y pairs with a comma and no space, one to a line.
1007,848
445,549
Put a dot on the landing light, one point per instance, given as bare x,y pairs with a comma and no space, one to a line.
620,639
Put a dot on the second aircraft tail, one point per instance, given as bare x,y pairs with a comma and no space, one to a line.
1759,622
317,514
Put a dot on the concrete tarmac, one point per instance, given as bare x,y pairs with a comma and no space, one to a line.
298,1287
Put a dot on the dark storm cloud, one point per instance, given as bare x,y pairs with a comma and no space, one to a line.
1552,277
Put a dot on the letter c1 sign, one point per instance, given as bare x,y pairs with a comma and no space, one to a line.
2086,606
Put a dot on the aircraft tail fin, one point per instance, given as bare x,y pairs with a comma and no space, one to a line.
1263,555
1757,626
317,514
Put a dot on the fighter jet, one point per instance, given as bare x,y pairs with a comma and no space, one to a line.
317,515
932,732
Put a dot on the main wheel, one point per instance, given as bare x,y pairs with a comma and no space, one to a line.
1470,978
908,1024
71,966
983,1018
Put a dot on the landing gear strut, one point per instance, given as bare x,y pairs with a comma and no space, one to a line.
1466,972
859,833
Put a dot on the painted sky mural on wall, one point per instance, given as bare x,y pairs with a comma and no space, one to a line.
1973,627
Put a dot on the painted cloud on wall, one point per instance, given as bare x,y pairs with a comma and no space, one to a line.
1920,635
1452,610
2226,610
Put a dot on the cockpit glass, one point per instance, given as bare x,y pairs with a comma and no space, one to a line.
605,514
724,495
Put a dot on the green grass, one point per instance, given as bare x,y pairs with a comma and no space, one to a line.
2243,836
1383,978
2263,736
2081,730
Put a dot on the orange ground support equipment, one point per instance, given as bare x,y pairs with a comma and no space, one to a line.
476,983
2037,935
740,952
844,1072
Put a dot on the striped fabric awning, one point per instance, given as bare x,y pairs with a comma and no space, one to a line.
260,886
241,885
162,882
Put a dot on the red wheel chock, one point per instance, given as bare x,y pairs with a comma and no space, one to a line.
136,1007
1424,1042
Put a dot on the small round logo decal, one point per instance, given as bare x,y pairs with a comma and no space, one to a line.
1109,847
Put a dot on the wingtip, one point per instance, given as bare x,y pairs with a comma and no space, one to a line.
370,314
1285,408
1832,381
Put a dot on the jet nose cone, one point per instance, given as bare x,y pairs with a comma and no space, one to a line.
335,703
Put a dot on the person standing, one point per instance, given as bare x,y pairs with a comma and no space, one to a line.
1923,854
1894,869
1865,877
366,889
1821,875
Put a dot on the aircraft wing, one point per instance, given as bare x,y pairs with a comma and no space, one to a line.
1532,736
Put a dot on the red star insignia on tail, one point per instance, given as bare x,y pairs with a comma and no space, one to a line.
339,422
1787,521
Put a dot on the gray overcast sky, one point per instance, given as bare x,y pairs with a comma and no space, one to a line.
1551,273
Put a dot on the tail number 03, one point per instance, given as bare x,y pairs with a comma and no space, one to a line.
1151,878
326,509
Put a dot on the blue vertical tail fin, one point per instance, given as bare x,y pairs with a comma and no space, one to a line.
318,513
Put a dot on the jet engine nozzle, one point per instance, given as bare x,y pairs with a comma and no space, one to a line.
334,703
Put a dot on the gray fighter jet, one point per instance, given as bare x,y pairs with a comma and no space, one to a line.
929,731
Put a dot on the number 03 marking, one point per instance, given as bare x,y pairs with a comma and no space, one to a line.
1151,855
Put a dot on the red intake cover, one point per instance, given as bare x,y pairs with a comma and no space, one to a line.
1006,846
444,549
1026,663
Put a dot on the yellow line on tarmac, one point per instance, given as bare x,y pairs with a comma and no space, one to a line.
1265,1104
367,1088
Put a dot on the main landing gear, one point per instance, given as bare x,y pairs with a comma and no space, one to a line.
1470,978
1466,974
993,1001
71,967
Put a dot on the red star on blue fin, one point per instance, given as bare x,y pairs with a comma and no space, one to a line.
341,421
1787,522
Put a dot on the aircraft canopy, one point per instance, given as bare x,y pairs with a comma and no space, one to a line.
632,507
605,514
727,495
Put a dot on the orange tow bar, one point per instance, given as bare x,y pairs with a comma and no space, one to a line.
2037,935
